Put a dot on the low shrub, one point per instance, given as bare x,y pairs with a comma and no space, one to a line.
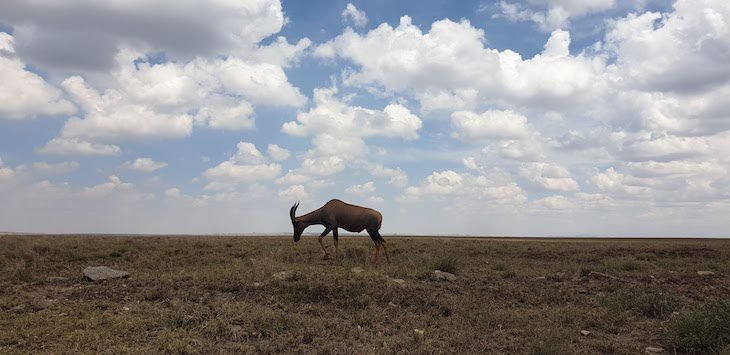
447,264
705,329
649,303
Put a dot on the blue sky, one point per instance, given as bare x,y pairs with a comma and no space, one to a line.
542,117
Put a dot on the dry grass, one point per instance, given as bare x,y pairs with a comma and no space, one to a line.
216,294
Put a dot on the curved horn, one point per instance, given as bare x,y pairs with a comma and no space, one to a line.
293,210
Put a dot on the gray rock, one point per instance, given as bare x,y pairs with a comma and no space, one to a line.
706,273
53,279
439,275
285,275
18,309
653,350
98,273
585,332
419,333
357,269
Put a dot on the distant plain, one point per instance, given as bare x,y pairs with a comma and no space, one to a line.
217,294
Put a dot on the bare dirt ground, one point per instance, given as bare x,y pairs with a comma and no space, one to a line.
217,294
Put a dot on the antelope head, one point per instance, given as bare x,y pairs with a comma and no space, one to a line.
298,226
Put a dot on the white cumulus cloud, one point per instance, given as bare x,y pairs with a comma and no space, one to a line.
144,164
247,165
549,176
73,146
361,190
491,124
355,16
55,168
278,153
294,192
6,173
24,94
552,14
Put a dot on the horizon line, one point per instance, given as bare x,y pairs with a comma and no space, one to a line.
416,235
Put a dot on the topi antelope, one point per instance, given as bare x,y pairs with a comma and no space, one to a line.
337,214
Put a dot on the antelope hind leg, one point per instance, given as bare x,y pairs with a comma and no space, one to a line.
337,243
377,252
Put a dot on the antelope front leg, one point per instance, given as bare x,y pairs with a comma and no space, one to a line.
326,230
326,254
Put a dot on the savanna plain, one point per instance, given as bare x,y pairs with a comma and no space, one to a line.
220,295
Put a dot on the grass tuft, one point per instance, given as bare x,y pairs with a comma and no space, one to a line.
705,329
650,303
356,255
646,257
550,345
622,264
447,264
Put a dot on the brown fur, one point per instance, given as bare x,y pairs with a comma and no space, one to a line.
337,214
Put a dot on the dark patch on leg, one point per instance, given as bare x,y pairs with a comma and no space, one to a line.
337,247
374,235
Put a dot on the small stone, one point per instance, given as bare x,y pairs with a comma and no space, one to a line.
391,304
705,273
256,284
285,275
53,279
125,309
419,333
98,273
585,332
399,281
439,275
41,304
653,350
18,309
357,269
